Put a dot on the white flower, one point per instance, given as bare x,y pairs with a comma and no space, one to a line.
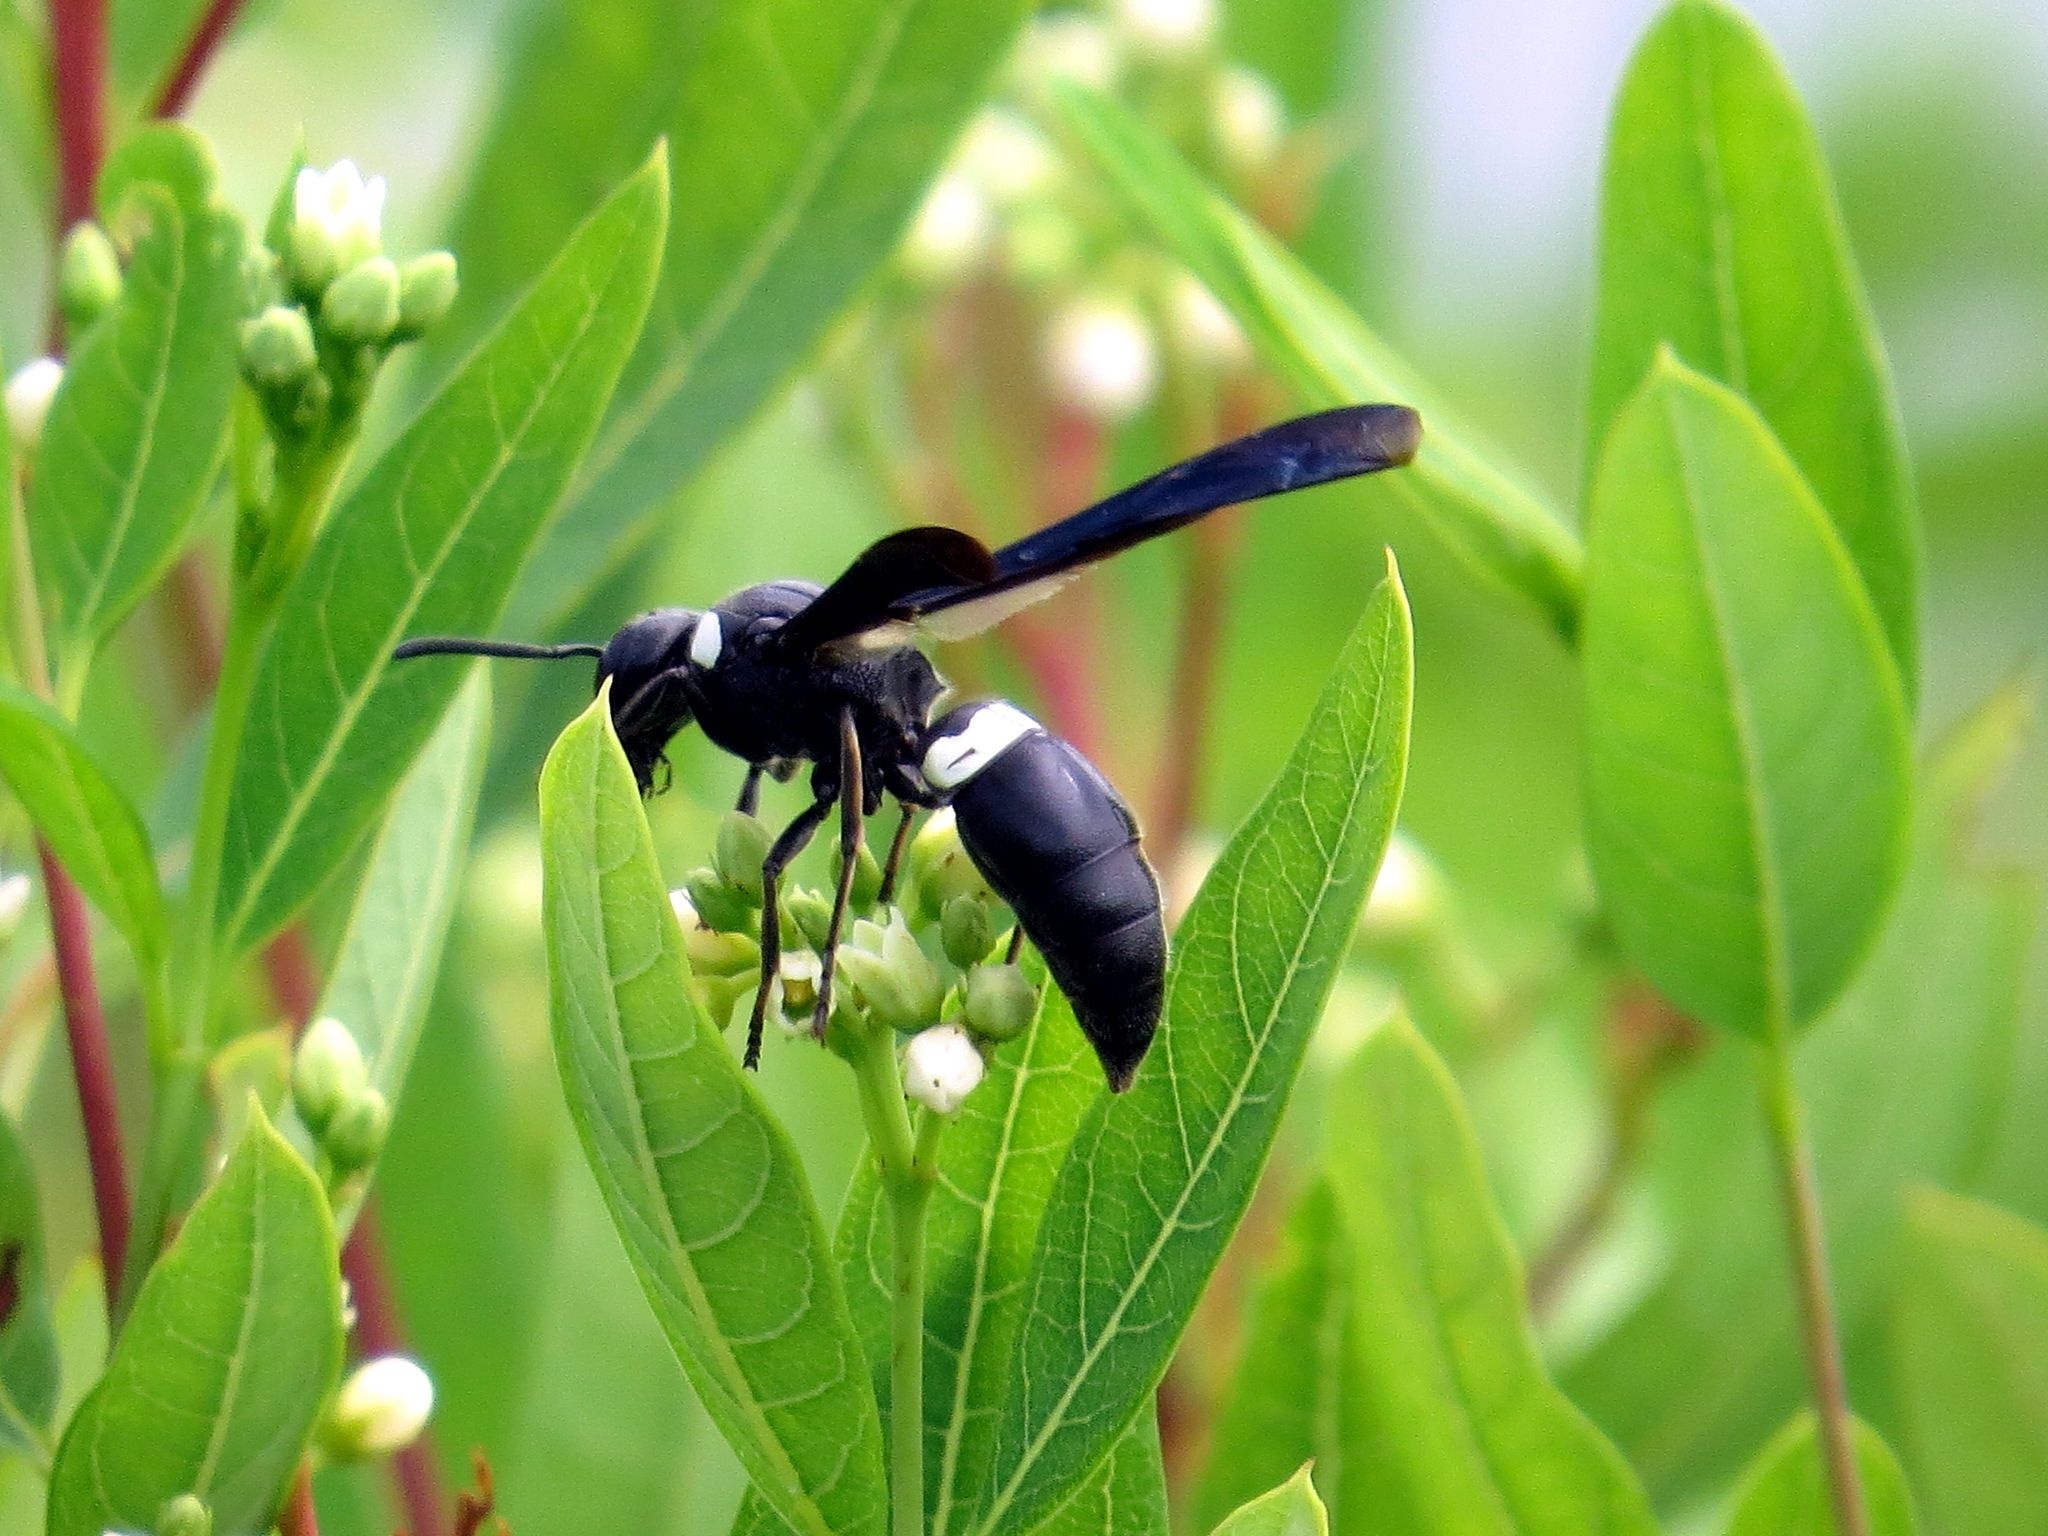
1167,29
1100,358
797,976
381,1408
1007,157
1206,331
14,893
941,1066
1249,118
1071,47
337,221
29,393
950,232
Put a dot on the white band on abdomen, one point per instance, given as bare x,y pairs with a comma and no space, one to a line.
990,731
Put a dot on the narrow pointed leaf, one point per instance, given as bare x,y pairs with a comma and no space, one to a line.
1720,237
701,1181
1483,510
430,542
233,1344
135,438
1157,1178
1469,1433
1292,1509
1746,737
28,1341
1971,1338
1785,1492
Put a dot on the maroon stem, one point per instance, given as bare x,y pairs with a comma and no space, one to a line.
1205,600
298,1517
177,91
78,56
413,1470
92,1065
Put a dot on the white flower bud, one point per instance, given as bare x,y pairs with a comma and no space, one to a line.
1007,158
1207,332
185,1515
797,976
337,222
941,1066
381,1408
29,394
1166,29
950,232
1100,358
1071,47
896,980
1249,118
328,1073
15,890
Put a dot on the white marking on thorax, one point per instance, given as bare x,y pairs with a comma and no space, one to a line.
990,731
707,640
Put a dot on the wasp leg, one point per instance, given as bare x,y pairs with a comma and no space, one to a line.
750,790
786,848
894,866
1016,948
852,796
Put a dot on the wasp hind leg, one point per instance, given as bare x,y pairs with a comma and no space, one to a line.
852,806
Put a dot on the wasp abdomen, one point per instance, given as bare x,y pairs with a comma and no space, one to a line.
1054,839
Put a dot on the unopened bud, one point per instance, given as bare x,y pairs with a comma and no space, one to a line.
381,1408
867,877
186,1515
89,279
30,393
966,930
426,292
1166,29
810,914
15,890
362,304
742,846
262,278
713,952
940,868
355,1136
895,979
941,1066
277,348
328,1072
718,905
1008,158
949,233
998,1001
1100,358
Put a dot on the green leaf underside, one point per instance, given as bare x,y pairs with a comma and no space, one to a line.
1157,1178
96,833
1971,1343
136,435
1468,1432
1785,1492
1746,739
28,1341
702,1183
1482,510
1721,238
1292,1509
429,543
234,1342
1906,1078
804,136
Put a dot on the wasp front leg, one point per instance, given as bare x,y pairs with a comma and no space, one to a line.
786,847
852,809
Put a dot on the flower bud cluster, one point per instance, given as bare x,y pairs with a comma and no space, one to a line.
926,965
347,1118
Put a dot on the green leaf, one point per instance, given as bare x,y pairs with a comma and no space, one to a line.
429,543
28,1341
1126,1495
1482,510
217,1379
136,435
1785,1491
702,1182
1292,1509
803,138
1746,739
96,833
1719,237
1971,1336
384,976
1468,1432
1157,1178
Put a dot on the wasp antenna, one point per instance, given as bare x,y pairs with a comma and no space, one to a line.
456,645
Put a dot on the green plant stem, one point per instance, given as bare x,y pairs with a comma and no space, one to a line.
1801,1193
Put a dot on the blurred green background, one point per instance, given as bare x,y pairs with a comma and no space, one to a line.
1457,211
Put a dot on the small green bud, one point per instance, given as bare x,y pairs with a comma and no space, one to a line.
810,914
356,1133
743,842
939,866
89,278
894,978
328,1072
966,930
999,1001
717,903
277,348
426,292
362,303
867,877
184,1516
262,278
713,952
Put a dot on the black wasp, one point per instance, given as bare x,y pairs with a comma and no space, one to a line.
786,673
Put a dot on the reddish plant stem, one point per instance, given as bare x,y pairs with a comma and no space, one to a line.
1191,699
299,1517
1059,649
177,91
414,1472
78,57
92,1065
